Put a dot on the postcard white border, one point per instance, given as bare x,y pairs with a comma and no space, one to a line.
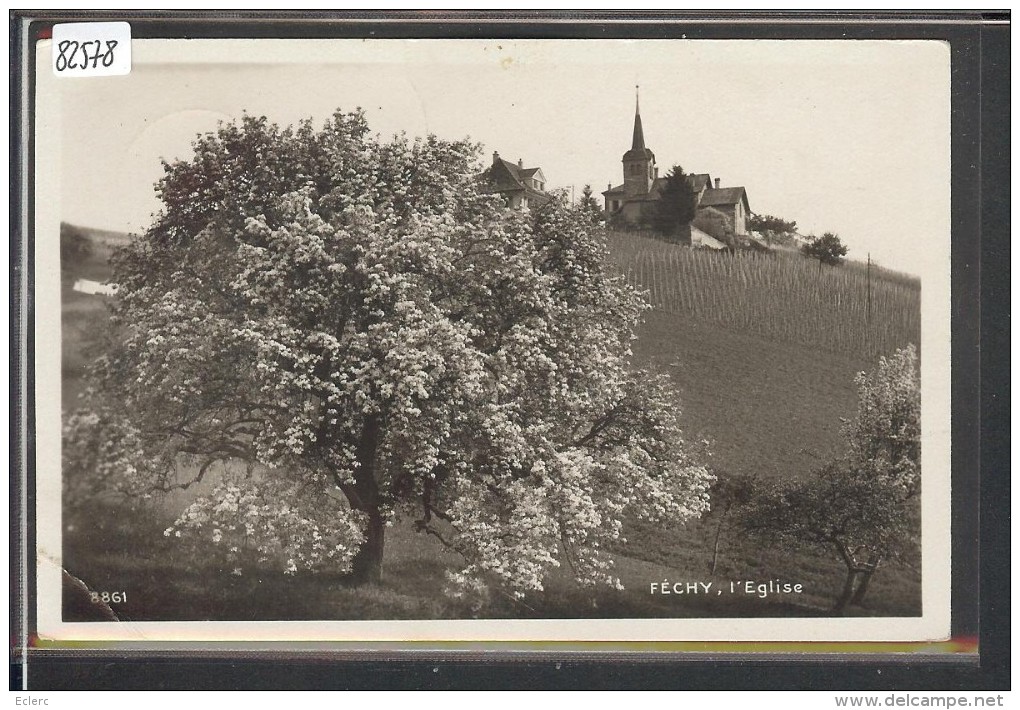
932,625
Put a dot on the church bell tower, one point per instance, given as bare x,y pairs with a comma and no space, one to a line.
638,162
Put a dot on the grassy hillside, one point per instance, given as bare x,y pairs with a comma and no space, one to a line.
768,408
82,314
783,297
117,548
761,375
764,349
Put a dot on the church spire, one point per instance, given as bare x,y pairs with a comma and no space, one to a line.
638,162
639,135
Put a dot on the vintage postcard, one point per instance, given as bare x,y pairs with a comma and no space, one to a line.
492,341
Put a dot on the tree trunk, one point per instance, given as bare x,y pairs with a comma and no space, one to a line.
715,547
367,564
847,593
862,588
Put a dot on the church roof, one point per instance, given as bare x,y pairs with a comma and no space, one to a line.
638,151
638,142
639,154
653,191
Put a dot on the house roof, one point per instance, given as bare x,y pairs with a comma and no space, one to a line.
653,191
700,181
504,176
714,197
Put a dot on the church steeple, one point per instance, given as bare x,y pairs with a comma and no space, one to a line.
639,170
639,135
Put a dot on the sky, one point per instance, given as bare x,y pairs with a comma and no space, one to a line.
844,136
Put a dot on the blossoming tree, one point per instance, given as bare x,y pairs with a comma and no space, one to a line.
347,330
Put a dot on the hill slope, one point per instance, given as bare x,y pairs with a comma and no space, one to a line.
764,350
769,405
780,296
768,408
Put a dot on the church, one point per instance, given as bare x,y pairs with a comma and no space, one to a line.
633,202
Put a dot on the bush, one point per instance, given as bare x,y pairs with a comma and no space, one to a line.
774,230
828,249
715,224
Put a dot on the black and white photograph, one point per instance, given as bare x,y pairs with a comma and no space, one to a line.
397,340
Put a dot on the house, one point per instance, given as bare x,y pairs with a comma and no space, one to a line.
94,288
522,187
731,201
634,202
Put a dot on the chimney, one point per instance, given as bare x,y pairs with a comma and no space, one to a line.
520,164
609,186
495,157
717,183
656,172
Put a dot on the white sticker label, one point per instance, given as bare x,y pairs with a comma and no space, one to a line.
91,49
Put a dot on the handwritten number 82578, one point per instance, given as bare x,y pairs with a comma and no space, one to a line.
68,49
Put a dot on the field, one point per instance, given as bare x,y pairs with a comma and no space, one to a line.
763,352
781,296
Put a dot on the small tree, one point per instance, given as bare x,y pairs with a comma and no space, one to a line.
828,249
775,230
866,506
863,519
589,204
677,203
371,335
884,438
